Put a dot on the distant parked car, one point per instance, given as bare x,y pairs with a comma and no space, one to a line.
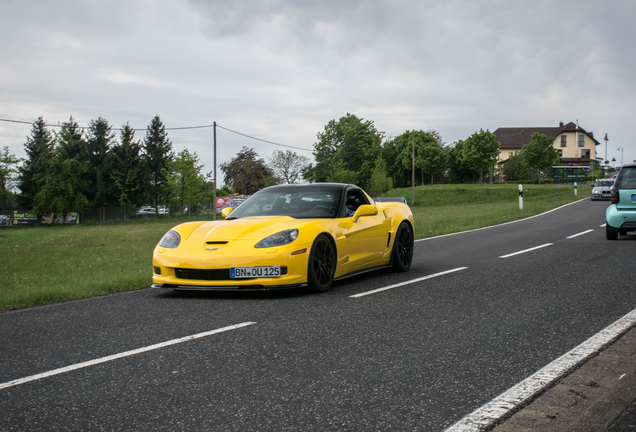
621,214
602,189
147,210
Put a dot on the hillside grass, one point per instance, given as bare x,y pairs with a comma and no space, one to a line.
48,264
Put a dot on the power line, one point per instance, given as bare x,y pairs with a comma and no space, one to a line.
177,128
258,139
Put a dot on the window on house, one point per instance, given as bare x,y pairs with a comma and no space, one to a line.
581,140
560,153
563,140
585,153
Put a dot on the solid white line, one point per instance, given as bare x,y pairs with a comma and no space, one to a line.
407,282
501,224
581,233
120,355
506,403
526,250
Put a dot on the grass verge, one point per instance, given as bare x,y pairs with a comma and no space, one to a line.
41,265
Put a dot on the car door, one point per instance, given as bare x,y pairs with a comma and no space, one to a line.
367,237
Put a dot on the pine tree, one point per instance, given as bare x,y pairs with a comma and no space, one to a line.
39,151
100,138
157,152
127,170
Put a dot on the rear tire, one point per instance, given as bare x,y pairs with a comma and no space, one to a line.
402,255
610,232
322,264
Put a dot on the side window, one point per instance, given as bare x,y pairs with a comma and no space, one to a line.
581,140
563,140
560,152
585,153
355,198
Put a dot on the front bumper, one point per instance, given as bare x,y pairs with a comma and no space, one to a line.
183,268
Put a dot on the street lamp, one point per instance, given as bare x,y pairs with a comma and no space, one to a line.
621,149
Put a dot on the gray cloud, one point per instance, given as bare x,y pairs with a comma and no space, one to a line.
280,70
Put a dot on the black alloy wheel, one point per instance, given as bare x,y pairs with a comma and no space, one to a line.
403,248
322,264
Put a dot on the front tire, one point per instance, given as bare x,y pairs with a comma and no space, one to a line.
610,232
402,255
322,264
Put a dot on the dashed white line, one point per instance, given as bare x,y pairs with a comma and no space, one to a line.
506,403
407,282
580,234
120,355
526,250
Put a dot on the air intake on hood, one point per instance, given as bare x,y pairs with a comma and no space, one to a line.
216,242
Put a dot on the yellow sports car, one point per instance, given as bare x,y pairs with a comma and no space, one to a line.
288,236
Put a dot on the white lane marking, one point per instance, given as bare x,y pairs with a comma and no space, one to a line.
504,404
407,282
526,250
602,226
501,224
120,355
580,234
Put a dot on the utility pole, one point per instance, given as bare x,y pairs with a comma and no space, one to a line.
605,162
413,176
214,189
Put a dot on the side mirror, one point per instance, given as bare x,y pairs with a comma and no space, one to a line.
365,210
226,211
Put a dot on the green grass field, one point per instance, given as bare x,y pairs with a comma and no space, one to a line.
41,265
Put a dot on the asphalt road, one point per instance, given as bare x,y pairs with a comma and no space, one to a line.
415,357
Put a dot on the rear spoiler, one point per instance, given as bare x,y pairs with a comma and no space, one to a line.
390,199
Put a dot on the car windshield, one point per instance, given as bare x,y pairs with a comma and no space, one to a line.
604,182
627,179
297,202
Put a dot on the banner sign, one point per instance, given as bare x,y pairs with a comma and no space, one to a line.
6,220
24,218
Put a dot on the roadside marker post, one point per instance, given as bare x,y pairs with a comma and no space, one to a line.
520,197
575,191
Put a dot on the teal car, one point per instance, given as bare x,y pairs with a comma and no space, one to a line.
620,216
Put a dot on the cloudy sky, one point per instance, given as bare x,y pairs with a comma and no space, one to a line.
279,70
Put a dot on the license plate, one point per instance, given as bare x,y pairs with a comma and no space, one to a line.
254,272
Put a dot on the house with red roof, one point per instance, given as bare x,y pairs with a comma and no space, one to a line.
575,145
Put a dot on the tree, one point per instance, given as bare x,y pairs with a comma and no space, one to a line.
481,150
430,157
379,181
127,170
39,150
515,167
247,173
355,142
99,139
8,176
185,181
460,172
340,173
288,165
540,153
157,151
67,177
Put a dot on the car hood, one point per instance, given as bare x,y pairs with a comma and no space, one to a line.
248,228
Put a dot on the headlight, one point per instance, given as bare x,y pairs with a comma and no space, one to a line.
278,239
170,240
